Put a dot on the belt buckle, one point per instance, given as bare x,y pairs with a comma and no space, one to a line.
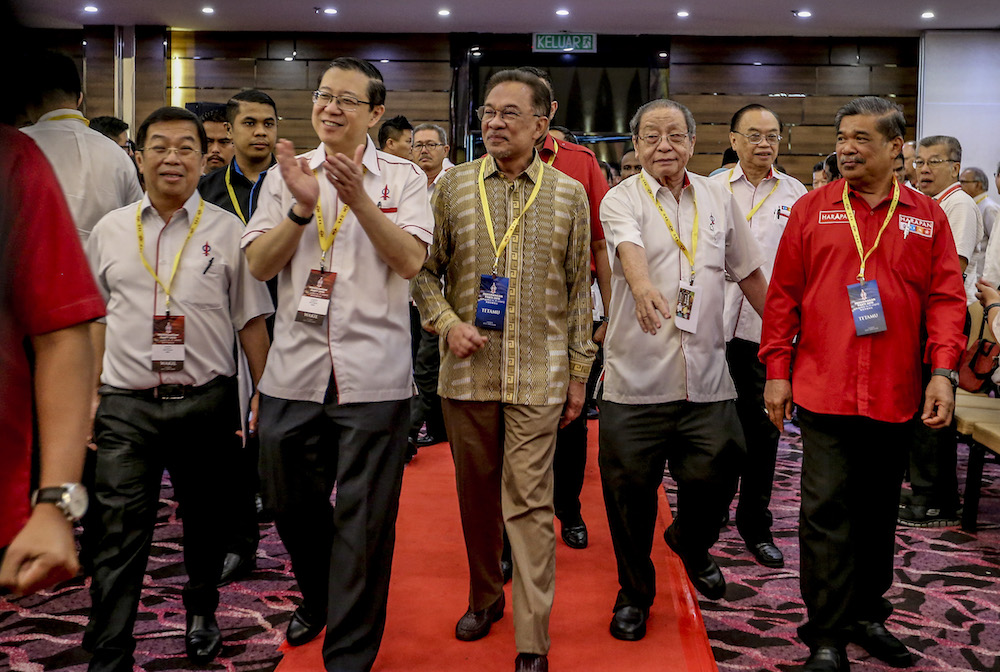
168,392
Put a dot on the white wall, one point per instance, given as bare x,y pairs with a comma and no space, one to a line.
960,94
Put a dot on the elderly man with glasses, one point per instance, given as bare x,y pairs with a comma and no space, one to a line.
343,227
672,237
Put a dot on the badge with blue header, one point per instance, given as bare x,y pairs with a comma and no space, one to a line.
492,304
866,307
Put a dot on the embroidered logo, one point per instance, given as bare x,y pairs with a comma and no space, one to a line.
385,192
919,227
832,217
206,248
711,222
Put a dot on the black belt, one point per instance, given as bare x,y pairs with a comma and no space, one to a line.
167,392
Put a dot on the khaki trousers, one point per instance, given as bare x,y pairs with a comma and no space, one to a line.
503,469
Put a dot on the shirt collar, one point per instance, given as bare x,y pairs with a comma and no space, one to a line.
62,112
906,195
239,171
369,160
737,173
548,147
652,180
531,173
190,205
947,191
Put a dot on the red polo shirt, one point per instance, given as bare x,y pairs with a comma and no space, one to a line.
834,371
580,164
45,285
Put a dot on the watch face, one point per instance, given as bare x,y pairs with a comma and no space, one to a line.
75,499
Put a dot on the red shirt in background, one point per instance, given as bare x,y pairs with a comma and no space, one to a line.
834,371
45,285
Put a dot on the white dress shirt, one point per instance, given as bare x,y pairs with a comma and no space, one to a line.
213,290
970,235
775,195
96,175
365,339
673,365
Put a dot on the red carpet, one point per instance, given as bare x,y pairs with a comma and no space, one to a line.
430,592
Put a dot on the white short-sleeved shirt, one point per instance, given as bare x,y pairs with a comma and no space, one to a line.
990,210
775,195
365,339
970,235
213,290
673,365
96,175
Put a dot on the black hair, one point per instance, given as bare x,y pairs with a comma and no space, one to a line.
541,95
735,121
215,115
112,127
392,129
248,96
891,123
376,85
169,113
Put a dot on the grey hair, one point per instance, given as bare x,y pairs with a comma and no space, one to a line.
979,175
661,103
442,136
953,145
891,122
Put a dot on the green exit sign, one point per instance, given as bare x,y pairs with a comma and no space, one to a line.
551,42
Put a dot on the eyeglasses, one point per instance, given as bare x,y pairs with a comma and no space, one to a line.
161,152
755,138
933,163
654,139
345,102
508,116
427,145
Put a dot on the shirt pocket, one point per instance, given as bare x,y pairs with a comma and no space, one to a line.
206,287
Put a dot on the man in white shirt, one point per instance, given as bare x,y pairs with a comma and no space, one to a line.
169,397
342,227
96,176
764,197
668,398
977,185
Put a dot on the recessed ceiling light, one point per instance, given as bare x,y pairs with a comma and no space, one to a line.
384,60
562,12
683,14
927,15
803,14
207,10
90,8
757,63
662,54
289,58
444,12
329,10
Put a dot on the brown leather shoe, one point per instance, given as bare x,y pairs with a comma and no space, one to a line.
476,624
531,662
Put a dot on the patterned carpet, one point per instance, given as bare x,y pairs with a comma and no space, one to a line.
947,600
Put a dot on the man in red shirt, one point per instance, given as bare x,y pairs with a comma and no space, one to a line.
863,267
48,295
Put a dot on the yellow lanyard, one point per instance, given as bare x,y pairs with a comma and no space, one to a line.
489,220
78,117
232,195
756,207
326,241
854,226
177,259
694,230
555,150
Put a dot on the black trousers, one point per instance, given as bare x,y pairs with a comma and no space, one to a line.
570,460
753,517
852,469
137,438
702,444
341,555
243,534
933,461
426,405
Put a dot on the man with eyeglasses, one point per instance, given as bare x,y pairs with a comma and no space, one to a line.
95,175
934,500
765,198
864,269
220,139
668,396
512,242
342,227
977,185
169,394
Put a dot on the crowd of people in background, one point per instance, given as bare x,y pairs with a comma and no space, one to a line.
269,326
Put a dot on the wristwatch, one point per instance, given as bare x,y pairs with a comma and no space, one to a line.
950,374
70,498
301,221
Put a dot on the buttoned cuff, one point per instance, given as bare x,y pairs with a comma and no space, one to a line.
779,368
943,357
443,323
579,370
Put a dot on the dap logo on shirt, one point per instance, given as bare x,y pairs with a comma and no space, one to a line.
384,203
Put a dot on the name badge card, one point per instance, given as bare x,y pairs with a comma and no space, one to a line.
688,304
168,343
315,301
866,307
492,304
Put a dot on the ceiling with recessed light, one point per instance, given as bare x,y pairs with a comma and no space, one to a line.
722,17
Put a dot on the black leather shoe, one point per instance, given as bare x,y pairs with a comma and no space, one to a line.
236,567
767,554
507,567
702,570
411,451
531,662
880,643
629,623
827,659
203,640
424,440
303,628
476,624
575,535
